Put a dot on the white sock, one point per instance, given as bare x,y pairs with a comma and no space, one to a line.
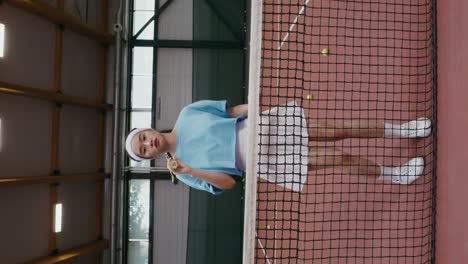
404,174
392,130
420,127
386,174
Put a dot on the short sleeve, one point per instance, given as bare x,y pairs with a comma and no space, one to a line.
214,107
198,184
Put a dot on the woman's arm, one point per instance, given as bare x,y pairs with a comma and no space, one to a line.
238,110
218,179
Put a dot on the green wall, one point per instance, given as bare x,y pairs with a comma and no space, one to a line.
215,227
216,222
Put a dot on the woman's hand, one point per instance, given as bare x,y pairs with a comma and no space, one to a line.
181,169
218,179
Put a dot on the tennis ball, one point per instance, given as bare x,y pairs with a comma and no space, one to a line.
325,52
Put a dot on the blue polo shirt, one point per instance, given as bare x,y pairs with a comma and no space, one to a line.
206,140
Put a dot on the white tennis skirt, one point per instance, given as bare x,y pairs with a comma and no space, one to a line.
284,146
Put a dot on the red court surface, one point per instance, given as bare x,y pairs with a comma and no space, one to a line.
379,66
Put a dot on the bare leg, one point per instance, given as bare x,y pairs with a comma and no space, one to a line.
332,130
321,158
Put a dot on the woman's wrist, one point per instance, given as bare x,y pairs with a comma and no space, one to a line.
238,111
193,173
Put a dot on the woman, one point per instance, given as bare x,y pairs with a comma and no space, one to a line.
209,142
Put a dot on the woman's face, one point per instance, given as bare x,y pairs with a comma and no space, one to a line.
149,143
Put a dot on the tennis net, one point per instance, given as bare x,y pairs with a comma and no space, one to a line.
351,66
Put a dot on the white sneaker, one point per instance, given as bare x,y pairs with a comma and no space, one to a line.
420,127
408,172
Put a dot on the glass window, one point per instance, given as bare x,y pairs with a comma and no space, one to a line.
141,75
138,222
143,164
138,252
142,91
2,39
140,190
138,217
140,18
139,193
142,61
147,5
139,210
140,119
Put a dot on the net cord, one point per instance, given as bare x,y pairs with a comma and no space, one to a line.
255,37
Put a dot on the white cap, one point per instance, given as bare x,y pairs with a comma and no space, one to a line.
128,144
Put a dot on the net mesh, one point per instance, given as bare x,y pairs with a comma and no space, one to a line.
351,66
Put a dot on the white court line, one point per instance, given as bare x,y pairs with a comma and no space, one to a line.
293,24
263,249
